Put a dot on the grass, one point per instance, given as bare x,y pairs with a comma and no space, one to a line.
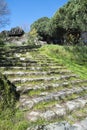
44,105
34,92
13,120
73,57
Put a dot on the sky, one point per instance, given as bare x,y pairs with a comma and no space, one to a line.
24,12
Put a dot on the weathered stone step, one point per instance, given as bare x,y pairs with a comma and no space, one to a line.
23,80
18,63
37,74
28,102
21,73
58,110
44,83
46,60
19,49
50,64
11,60
78,81
25,61
32,67
79,124
27,88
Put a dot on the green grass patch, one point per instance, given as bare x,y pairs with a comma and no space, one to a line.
73,57
44,105
34,92
13,120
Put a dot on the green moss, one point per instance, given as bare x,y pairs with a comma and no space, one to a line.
34,93
44,105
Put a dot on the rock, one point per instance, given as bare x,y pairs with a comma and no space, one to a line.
17,55
62,126
26,103
53,126
72,105
17,31
57,126
22,58
37,100
81,125
48,115
59,110
33,116
4,33
84,37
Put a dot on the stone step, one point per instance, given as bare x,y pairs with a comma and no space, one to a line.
22,61
24,89
40,80
28,87
19,49
44,83
24,80
58,110
18,63
36,74
63,125
27,64
32,68
21,73
29,102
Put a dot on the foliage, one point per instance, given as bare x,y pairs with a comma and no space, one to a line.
73,15
40,27
33,32
66,25
55,33
32,36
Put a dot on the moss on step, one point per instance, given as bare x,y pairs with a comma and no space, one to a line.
45,105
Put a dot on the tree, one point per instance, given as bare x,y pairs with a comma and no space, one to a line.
73,18
41,27
55,31
73,15
4,12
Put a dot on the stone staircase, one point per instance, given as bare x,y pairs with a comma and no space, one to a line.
48,90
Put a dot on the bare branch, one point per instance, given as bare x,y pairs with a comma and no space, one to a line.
4,12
